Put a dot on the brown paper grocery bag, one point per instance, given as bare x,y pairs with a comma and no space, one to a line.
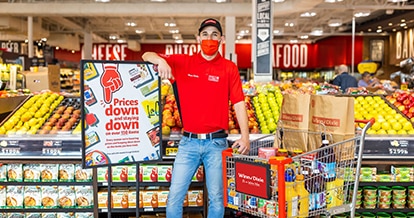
294,118
337,116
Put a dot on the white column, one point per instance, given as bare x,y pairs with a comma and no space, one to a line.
230,36
87,45
30,36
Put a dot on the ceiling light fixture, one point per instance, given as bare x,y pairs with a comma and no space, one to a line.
317,31
158,0
293,41
278,1
174,31
335,22
113,37
139,31
303,37
278,31
397,1
308,14
333,1
102,1
177,36
290,23
130,24
243,32
170,24
365,13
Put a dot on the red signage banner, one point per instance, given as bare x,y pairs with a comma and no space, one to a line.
253,178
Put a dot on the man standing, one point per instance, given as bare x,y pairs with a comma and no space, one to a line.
206,82
344,80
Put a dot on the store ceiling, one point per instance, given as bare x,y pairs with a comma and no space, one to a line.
74,17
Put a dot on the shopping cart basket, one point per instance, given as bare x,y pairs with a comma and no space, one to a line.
322,181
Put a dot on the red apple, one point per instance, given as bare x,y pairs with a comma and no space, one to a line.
411,110
406,101
409,115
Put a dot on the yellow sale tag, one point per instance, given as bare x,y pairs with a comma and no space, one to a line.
171,151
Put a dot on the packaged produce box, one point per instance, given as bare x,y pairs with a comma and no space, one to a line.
47,78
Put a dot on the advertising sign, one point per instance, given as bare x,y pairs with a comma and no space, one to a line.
253,178
263,39
121,112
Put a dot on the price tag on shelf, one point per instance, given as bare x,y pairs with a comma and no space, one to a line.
398,151
51,150
171,151
8,150
389,146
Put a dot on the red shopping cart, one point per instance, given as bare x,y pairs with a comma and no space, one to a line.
323,181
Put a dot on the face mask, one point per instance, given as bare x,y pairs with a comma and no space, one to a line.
209,46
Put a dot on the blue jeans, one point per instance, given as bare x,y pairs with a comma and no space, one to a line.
191,153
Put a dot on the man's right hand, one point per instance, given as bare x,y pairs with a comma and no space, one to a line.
164,69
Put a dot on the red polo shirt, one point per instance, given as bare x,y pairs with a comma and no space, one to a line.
205,88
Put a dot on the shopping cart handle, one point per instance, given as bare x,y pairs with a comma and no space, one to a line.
371,121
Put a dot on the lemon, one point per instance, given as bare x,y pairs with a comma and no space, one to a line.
396,126
392,132
381,132
376,126
385,126
401,132
407,126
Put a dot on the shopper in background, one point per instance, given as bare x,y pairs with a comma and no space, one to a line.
367,81
344,80
205,82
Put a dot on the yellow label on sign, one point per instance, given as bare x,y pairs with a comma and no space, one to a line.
151,107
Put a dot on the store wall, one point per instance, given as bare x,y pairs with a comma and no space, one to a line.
325,53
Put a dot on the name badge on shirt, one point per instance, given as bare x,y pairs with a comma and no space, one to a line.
213,78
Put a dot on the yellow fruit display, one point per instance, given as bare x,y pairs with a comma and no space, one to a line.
267,104
387,120
31,115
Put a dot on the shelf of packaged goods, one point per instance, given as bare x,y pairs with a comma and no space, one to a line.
143,210
385,184
46,210
390,210
144,184
45,183
59,146
389,147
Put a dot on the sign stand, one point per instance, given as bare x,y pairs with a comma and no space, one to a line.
120,116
